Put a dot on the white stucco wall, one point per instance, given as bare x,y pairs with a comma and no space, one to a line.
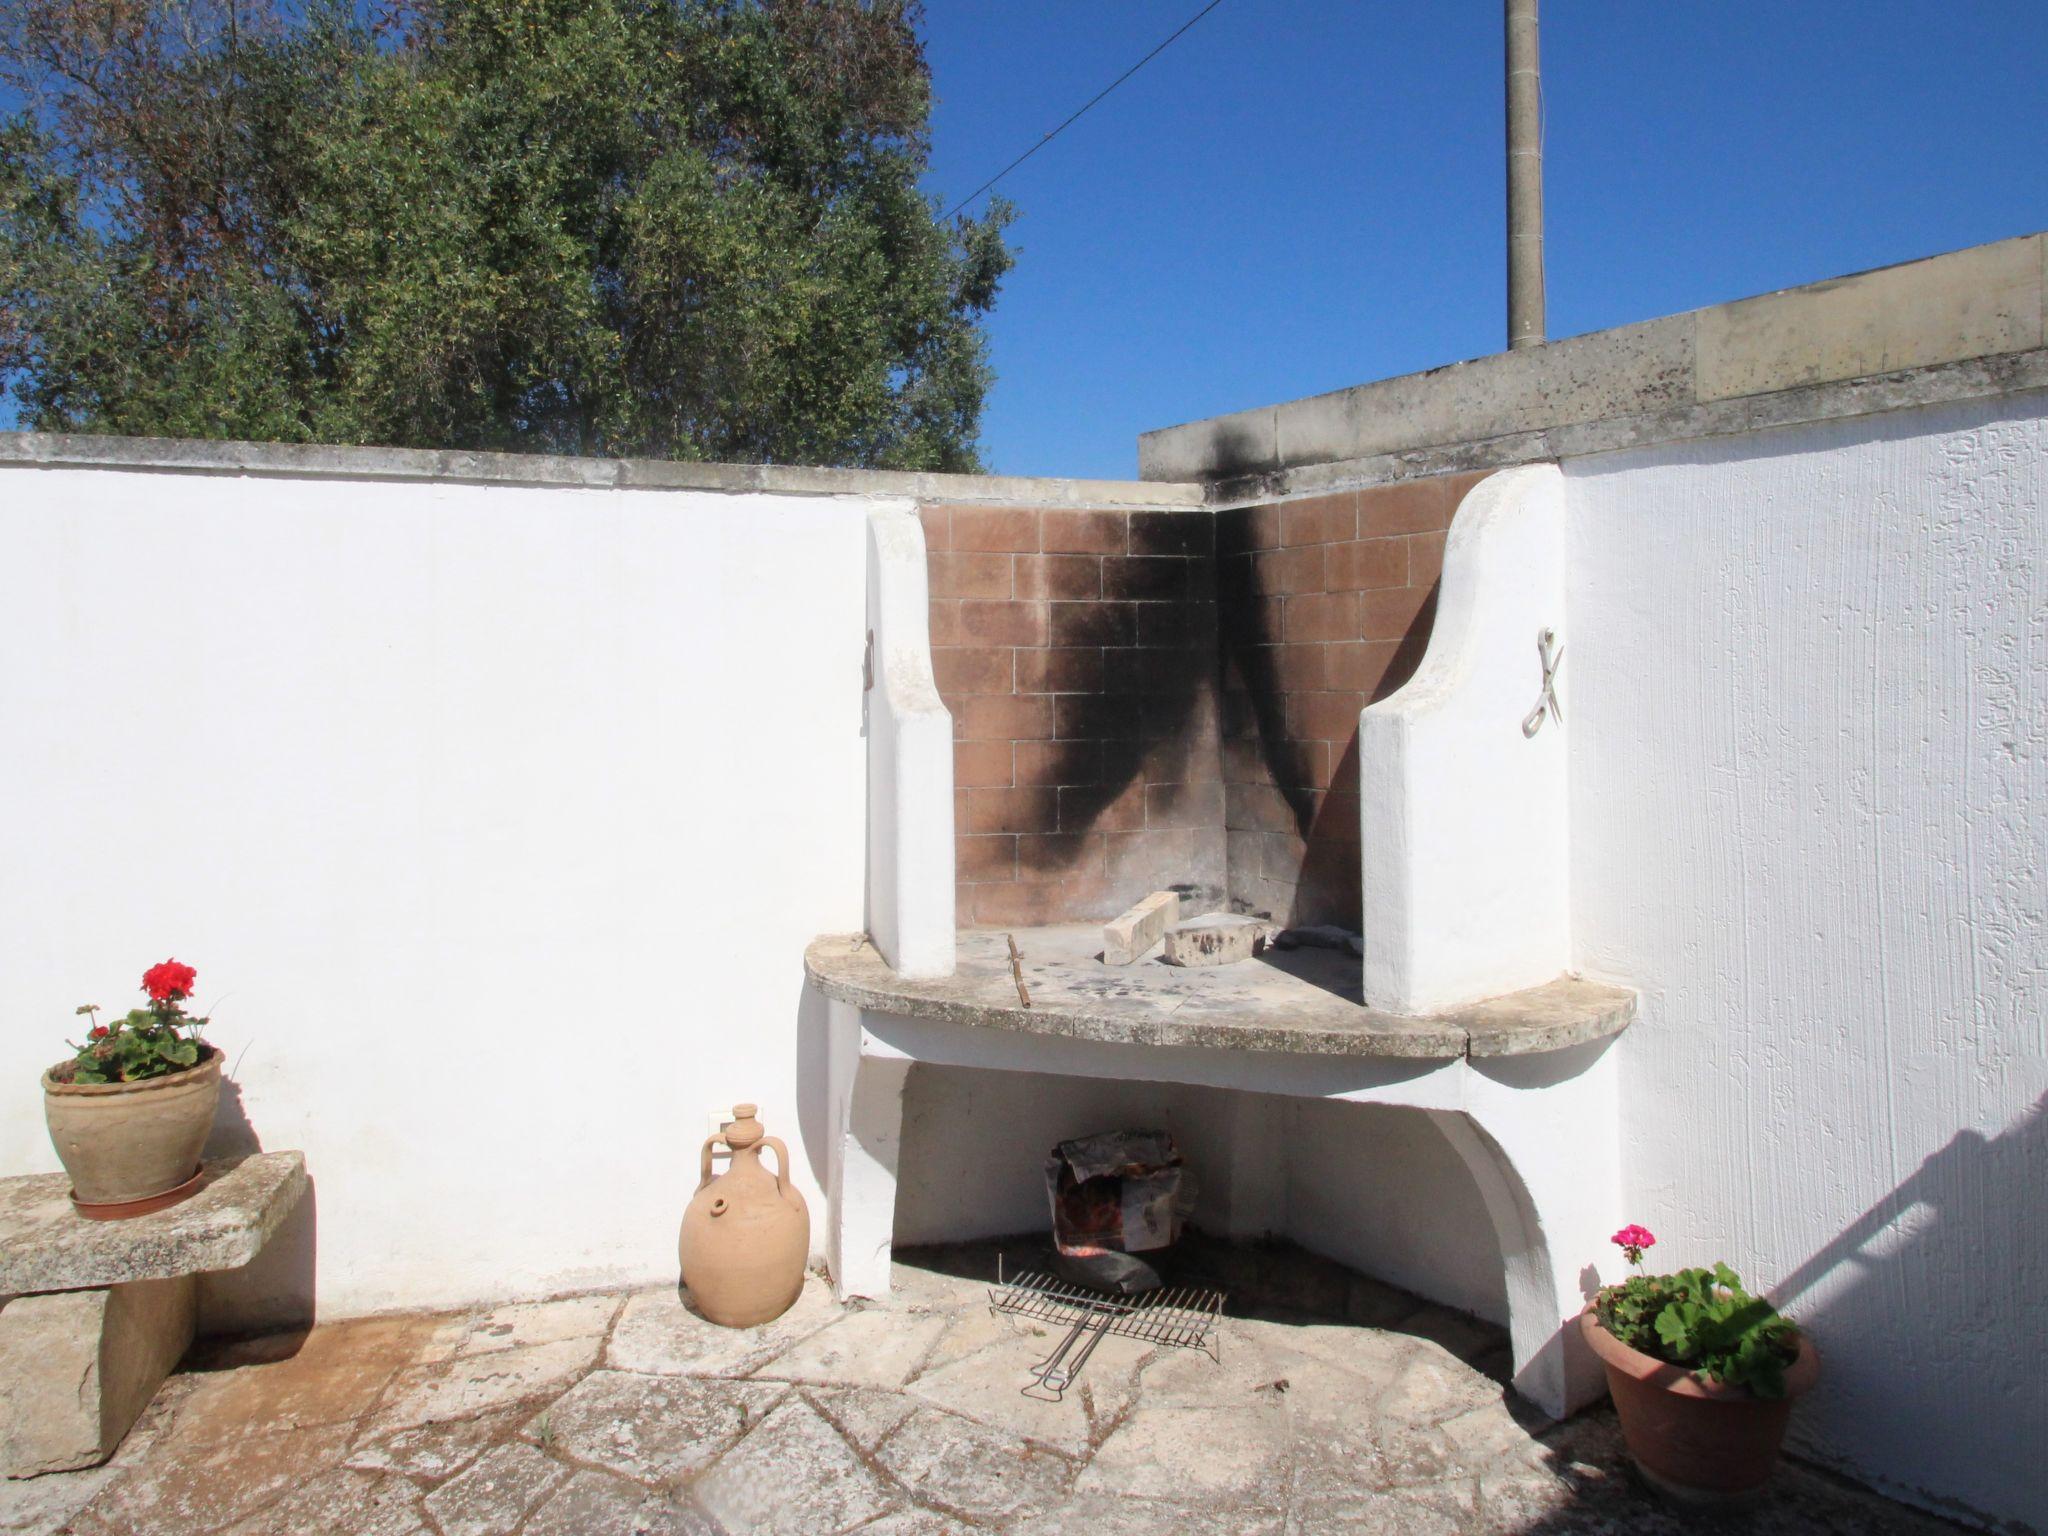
496,820
1382,1190
1809,777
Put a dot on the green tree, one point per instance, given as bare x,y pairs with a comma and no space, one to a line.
680,228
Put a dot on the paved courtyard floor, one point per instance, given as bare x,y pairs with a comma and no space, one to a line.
1338,1405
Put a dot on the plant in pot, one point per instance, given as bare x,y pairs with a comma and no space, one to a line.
1703,1375
131,1109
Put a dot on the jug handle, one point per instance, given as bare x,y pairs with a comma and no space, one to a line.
711,1144
781,1164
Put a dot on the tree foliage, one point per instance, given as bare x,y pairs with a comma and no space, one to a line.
677,228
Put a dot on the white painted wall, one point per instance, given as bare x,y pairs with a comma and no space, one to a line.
1809,732
1463,814
496,820
1383,1191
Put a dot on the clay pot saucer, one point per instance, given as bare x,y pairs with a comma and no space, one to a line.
121,1210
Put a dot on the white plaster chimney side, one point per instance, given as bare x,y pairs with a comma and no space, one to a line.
1463,816
910,758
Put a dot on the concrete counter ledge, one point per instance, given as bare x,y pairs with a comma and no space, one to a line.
1304,1002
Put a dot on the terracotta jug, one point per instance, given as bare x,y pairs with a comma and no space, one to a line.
747,1233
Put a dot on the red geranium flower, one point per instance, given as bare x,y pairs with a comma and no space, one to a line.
97,1032
169,982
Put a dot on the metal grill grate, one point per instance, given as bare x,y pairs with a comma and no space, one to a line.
1183,1317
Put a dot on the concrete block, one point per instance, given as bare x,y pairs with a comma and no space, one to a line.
80,1367
1125,938
1973,303
1220,939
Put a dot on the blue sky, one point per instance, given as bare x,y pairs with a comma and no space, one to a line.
1305,194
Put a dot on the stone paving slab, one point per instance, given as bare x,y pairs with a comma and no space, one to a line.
970,1470
658,1335
657,1429
794,1475
45,1245
433,1393
362,1504
430,1453
629,1415
864,1349
338,1374
506,1484
593,1503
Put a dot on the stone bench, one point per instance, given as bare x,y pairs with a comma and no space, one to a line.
94,1314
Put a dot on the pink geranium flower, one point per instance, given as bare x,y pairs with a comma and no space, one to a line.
1632,1240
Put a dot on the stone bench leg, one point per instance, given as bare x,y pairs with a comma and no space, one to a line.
80,1367
866,1135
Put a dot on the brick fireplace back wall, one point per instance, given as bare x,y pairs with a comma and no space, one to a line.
1326,605
1076,651
1145,699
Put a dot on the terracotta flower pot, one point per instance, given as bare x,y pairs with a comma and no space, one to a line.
1697,1440
124,1142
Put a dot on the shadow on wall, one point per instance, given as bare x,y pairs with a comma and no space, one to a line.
1939,1288
1930,1343
276,1290
813,1088
1988,1178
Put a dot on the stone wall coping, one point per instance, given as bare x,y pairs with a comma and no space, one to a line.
207,456
1304,1002
2015,374
1962,325
45,1245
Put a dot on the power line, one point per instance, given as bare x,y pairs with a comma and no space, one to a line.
1084,109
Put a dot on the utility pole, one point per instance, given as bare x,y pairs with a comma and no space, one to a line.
1525,178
